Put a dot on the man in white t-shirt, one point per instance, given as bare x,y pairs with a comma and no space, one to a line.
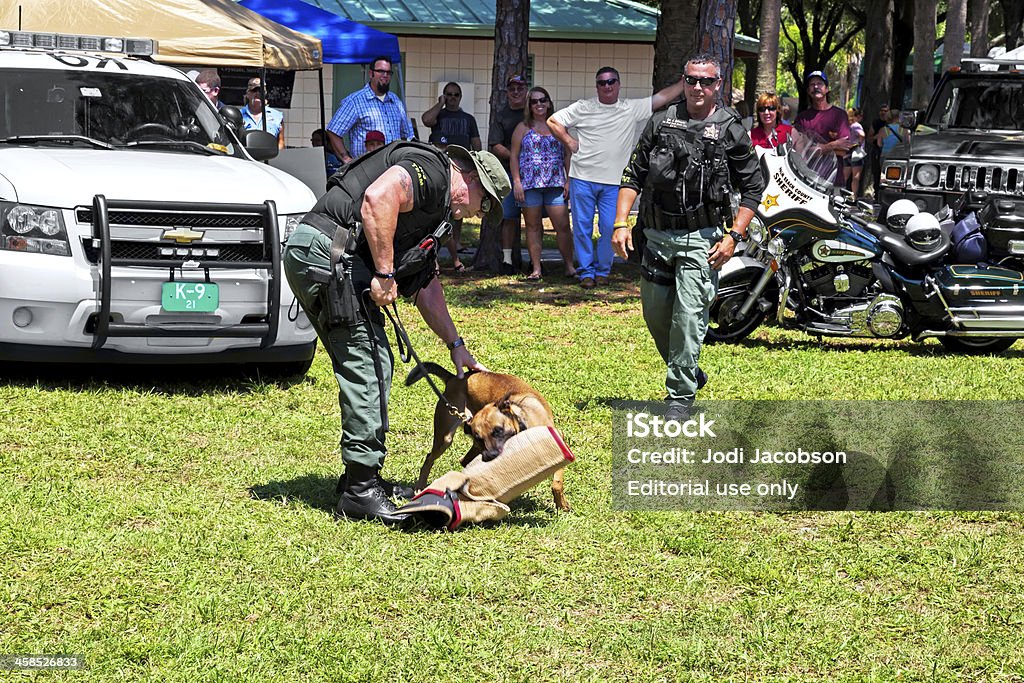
604,131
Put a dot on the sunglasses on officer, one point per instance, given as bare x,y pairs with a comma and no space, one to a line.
706,81
608,82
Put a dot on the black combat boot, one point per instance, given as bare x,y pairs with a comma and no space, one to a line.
392,489
363,498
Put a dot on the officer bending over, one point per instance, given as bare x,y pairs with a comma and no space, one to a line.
372,237
686,162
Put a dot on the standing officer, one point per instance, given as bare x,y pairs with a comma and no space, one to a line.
372,237
685,162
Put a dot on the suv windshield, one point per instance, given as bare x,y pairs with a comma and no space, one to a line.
979,104
116,109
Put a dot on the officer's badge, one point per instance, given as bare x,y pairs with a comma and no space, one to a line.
712,131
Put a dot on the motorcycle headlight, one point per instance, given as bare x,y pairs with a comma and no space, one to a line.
776,247
37,229
755,232
927,175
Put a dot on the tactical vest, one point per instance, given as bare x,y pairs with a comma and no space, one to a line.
688,173
346,189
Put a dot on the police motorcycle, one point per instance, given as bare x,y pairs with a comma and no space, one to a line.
818,262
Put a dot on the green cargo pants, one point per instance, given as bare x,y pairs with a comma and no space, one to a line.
677,316
351,348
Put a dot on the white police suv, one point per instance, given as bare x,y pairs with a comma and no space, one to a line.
135,227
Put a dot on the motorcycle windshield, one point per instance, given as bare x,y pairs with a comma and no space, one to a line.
812,162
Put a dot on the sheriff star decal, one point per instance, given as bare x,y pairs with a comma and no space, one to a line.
711,132
770,200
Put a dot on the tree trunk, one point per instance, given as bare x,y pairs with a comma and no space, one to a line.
878,67
768,56
902,45
750,91
511,57
979,11
1013,23
716,36
956,29
674,41
924,48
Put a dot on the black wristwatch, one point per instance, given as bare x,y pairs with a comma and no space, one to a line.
455,344
736,237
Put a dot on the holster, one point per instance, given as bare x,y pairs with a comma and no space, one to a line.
481,492
341,300
653,269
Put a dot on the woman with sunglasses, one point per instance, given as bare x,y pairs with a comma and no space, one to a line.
769,131
539,166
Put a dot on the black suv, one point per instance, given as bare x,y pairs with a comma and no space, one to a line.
971,137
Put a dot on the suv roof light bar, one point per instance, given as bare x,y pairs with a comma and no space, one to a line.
992,63
133,47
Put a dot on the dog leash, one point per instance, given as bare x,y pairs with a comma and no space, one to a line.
406,352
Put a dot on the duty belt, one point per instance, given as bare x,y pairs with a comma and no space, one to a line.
703,216
335,231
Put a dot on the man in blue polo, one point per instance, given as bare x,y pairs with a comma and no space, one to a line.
373,107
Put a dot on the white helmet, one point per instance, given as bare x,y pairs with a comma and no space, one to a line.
923,232
899,213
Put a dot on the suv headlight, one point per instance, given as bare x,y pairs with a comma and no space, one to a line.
33,229
927,175
290,223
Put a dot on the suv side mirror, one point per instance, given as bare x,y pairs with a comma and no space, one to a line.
233,117
260,144
910,118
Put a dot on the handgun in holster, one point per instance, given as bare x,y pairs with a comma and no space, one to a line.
339,297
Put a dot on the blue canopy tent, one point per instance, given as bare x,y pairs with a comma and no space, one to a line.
343,40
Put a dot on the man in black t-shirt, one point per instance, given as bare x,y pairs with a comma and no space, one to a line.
376,212
499,139
449,125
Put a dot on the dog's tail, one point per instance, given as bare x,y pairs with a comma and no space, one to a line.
420,371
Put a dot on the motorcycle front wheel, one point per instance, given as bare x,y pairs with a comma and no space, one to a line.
977,346
724,324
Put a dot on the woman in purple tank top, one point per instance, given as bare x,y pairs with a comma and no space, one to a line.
540,169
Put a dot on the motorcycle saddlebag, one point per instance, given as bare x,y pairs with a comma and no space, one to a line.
967,285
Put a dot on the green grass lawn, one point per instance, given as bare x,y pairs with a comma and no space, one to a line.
178,528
